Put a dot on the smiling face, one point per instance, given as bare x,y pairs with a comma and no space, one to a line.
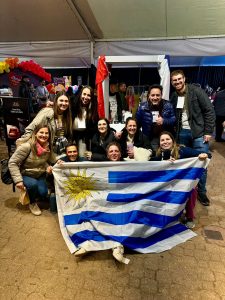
165,142
131,127
113,153
42,136
102,127
85,97
62,103
72,153
155,96
178,82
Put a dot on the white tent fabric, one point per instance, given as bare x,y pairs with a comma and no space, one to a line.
163,69
72,33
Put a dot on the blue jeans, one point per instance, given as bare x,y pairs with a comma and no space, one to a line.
185,138
36,187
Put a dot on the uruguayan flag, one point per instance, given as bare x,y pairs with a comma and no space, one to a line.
102,205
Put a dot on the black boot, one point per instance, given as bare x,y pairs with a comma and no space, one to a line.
203,199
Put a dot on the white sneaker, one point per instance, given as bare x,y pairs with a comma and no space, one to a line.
118,255
35,210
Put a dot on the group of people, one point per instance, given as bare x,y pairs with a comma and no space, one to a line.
37,97
71,130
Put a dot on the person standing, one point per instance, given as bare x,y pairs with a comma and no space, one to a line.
25,92
155,115
85,117
195,121
122,93
219,106
115,103
42,94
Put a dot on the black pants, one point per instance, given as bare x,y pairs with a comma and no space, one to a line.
219,127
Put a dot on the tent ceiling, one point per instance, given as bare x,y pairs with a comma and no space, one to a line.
72,24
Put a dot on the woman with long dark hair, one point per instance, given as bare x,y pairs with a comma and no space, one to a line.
85,117
100,141
134,144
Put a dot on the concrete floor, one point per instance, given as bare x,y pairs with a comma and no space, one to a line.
36,264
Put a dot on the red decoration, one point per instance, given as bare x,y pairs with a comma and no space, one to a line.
34,68
101,74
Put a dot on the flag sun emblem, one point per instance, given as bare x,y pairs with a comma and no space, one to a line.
79,186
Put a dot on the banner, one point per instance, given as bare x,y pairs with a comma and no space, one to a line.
105,204
16,116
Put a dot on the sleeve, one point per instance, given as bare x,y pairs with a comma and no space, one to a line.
169,118
207,111
186,152
16,160
40,117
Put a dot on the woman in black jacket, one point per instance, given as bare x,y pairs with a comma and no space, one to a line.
133,143
100,141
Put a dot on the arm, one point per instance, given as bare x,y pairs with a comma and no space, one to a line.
207,112
186,152
16,160
169,118
42,116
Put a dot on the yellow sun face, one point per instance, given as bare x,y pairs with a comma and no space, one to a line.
79,186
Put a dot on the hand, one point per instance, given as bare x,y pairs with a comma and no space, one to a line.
20,185
172,159
118,134
207,138
130,153
88,154
203,156
49,170
60,162
159,120
49,103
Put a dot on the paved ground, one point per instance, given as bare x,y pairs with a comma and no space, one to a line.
36,264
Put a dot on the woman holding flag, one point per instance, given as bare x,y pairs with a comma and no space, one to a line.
169,150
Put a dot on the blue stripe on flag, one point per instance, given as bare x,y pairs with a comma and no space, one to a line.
153,176
135,217
130,242
162,196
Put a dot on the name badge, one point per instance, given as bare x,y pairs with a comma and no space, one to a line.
180,102
155,115
81,123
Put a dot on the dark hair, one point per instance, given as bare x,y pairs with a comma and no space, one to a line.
155,86
130,119
92,111
107,122
67,117
71,145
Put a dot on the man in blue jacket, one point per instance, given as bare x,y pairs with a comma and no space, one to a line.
195,121
155,115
